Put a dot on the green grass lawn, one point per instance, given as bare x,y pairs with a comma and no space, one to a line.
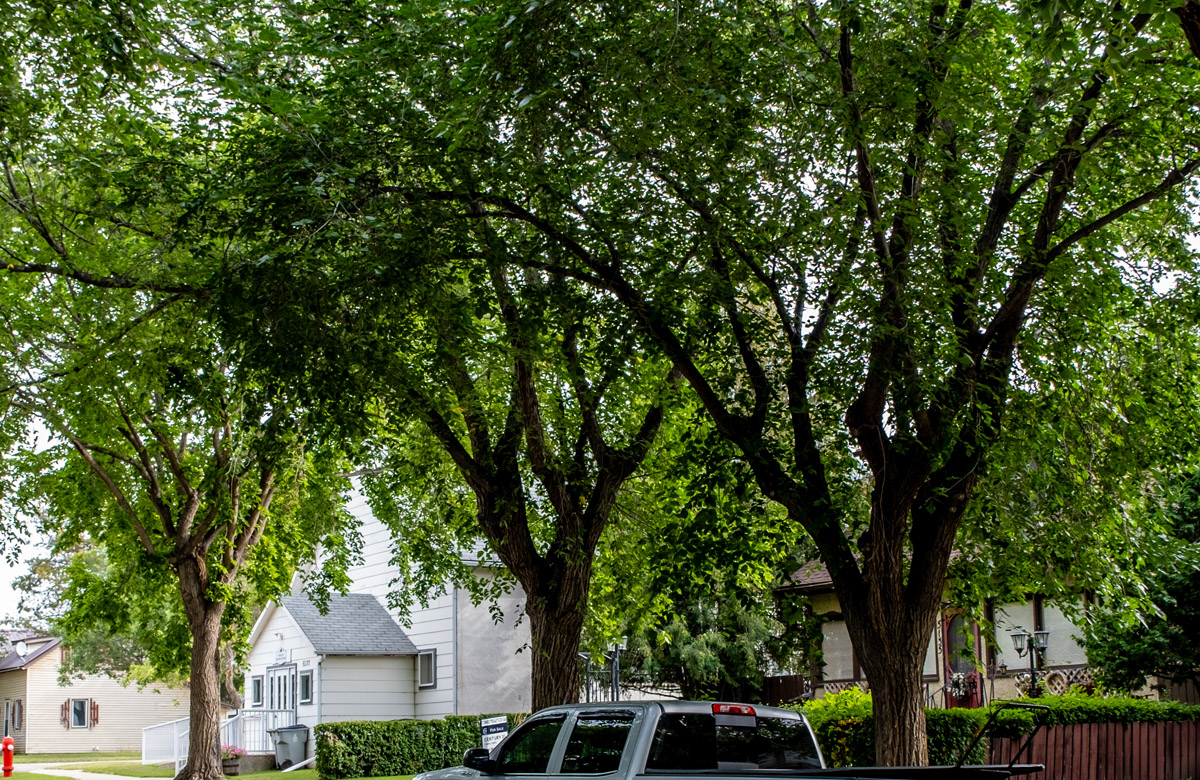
39,775
125,768
305,774
51,758
136,769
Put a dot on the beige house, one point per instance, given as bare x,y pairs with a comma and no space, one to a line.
93,713
964,667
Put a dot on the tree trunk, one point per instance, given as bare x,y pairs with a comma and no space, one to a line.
898,700
204,619
555,639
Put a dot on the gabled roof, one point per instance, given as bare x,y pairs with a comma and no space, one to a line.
14,660
356,624
812,576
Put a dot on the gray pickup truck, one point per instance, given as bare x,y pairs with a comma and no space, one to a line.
680,739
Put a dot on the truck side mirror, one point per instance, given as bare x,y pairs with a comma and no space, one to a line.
479,759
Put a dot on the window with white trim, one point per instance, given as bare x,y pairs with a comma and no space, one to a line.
306,687
79,713
427,669
256,691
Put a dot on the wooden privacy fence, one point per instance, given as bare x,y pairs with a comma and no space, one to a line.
1109,751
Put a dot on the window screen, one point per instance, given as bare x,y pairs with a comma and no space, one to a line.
596,743
703,742
528,751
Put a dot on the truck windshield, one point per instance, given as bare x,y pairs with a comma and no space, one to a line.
698,742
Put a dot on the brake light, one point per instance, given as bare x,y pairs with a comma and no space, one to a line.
732,709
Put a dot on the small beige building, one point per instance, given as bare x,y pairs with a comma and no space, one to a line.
94,713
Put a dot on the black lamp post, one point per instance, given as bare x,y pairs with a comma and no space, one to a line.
1033,644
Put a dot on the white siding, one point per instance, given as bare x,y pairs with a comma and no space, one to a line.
494,675
837,652
429,628
1009,618
367,687
280,632
375,574
12,689
123,711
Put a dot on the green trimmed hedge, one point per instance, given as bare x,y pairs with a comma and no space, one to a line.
395,747
845,728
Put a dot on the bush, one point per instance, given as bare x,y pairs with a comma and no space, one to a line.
845,728
1079,708
397,747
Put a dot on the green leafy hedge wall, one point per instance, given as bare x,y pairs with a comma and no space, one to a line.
845,729
396,747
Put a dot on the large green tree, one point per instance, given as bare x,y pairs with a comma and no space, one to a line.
836,221
840,224
135,434
505,412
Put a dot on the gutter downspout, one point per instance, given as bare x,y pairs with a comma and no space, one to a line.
454,652
320,713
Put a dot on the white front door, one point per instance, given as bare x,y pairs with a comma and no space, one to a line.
281,687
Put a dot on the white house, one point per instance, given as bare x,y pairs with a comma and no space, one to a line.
95,712
359,661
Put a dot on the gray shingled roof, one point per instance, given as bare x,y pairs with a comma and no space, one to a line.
12,661
356,624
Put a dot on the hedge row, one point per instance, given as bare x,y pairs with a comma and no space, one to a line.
845,728
843,723
395,747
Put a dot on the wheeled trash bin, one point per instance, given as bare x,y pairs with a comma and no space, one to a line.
290,744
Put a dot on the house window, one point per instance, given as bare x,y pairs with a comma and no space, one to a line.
79,713
256,691
427,669
306,692
16,714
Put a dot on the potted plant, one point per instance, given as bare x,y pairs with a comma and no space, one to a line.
231,759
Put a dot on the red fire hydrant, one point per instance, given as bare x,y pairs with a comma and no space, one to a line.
9,748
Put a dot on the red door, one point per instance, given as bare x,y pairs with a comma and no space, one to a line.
961,662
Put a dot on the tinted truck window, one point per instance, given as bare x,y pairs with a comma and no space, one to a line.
700,742
596,744
527,751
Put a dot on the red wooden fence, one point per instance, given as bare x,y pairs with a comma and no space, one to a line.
1109,751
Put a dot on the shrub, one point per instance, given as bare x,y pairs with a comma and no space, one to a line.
1080,708
845,728
397,747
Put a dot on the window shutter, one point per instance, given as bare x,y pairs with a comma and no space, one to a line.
17,715
95,714
66,714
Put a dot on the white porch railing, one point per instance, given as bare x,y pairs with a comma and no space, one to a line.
160,742
254,727
167,743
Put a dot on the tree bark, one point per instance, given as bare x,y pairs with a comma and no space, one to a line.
555,640
204,619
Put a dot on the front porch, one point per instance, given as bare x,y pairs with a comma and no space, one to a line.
167,743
